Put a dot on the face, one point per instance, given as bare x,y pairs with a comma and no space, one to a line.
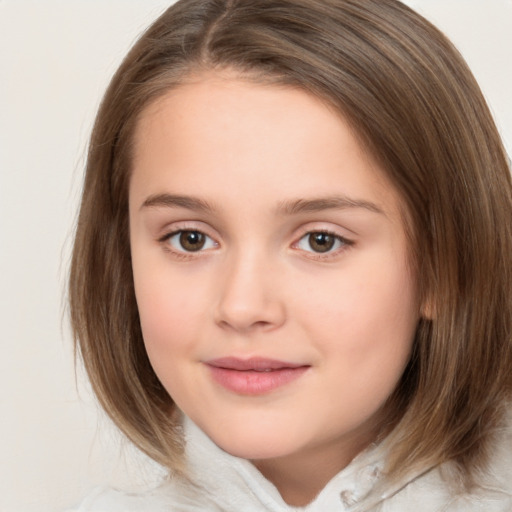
270,268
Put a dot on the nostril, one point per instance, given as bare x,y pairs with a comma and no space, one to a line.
261,317
249,299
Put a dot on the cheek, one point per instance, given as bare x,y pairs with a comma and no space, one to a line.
368,339
163,313
169,323
169,309
366,318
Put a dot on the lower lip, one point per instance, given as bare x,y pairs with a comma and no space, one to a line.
249,382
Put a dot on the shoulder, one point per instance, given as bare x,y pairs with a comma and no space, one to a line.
105,499
435,489
432,492
167,498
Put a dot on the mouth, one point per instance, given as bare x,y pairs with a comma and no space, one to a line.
255,376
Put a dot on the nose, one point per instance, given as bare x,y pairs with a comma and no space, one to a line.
250,297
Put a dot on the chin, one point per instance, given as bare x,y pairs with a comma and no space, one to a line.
253,445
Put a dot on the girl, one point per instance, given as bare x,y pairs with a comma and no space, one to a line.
291,279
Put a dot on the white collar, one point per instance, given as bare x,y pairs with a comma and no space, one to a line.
234,484
220,482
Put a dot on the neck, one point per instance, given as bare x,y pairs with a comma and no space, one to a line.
300,477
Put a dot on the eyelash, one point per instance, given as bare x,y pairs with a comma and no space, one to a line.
343,243
183,253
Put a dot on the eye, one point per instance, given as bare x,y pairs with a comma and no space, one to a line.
321,242
189,241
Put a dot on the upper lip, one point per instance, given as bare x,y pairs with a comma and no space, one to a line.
253,363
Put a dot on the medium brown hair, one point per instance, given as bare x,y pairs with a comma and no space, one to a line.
415,105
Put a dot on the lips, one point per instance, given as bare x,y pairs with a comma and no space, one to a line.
254,376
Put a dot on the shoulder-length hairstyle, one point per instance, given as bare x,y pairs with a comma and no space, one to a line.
416,107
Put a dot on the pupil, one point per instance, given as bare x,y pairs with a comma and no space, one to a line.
192,240
321,242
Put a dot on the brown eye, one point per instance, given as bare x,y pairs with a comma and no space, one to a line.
321,242
189,241
192,241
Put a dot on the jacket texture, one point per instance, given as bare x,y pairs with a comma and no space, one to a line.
223,483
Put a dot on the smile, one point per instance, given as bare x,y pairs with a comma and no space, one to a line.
255,376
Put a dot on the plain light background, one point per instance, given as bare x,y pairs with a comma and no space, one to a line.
56,57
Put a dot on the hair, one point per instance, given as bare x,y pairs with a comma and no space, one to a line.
416,107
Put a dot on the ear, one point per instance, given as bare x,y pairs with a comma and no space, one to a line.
428,309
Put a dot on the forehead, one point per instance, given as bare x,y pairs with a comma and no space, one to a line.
218,131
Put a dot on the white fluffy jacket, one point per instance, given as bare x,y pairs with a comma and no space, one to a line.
229,484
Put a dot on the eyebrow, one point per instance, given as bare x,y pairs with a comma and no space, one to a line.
177,201
292,207
326,203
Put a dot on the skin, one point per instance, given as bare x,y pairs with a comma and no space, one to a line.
247,158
